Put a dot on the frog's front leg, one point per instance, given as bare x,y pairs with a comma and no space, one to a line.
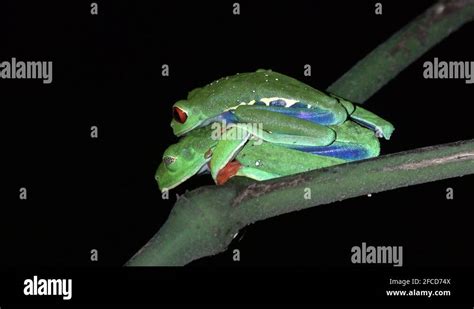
226,149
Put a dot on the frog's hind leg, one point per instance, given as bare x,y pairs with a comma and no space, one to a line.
353,142
304,112
344,151
369,120
234,168
256,174
277,123
238,135
381,127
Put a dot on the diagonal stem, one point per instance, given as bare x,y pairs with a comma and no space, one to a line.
203,221
381,65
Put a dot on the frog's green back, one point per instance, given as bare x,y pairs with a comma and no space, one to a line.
228,92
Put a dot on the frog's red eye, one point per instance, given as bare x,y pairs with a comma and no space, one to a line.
179,115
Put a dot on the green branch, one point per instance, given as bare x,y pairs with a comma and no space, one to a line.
203,221
401,49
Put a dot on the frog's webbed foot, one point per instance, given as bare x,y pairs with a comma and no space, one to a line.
381,127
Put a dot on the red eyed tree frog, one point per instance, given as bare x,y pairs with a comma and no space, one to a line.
280,103
198,152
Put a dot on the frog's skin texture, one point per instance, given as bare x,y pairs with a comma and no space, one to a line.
197,152
281,103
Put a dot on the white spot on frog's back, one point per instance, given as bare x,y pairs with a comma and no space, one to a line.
289,102
266,101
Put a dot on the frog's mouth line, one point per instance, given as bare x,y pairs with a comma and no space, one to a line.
184,132
204,169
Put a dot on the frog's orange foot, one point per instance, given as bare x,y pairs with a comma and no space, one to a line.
227,172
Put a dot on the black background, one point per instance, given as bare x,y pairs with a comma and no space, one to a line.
101,194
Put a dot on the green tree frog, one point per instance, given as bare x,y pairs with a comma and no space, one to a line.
280,103
198,152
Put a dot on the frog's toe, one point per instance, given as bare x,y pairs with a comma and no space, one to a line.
385,132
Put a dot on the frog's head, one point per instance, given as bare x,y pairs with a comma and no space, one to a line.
195,111
184,159
189,115
185,117
178,165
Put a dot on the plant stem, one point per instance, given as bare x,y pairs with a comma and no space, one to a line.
381,65
203,222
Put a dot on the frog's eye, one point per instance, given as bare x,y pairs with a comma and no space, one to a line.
168,160
179,115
